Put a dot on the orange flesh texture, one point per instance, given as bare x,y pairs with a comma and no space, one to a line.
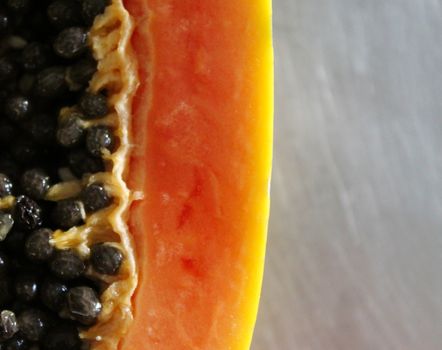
202,130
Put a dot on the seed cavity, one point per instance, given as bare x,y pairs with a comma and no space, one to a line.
59,250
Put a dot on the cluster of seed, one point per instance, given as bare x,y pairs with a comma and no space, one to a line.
46,65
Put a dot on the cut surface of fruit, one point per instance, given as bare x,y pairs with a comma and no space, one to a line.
203,164
134,172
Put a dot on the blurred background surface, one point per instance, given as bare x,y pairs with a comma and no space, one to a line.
355,244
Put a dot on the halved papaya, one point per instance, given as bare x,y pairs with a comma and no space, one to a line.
136,217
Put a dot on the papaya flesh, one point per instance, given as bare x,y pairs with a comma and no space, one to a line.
204,105
134,202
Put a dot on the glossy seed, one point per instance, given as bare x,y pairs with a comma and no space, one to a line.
37,26
35,56
94,105
67,265
45,70
69,213
38,246
64,13
62,337
4,264
98,139
8,166
53,294
26,83
106,259
6,223
18,306
5,291
95,197
8,132
6,186
50,82
33,324
16,42
35,183
26,287
7,68
17,108
14,242
81,163
8,325
84,305
27,213
42,128
24,150
19,5
4,22
79,74
70,132
92,8
71,42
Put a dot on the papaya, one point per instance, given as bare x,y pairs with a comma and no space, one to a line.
134,172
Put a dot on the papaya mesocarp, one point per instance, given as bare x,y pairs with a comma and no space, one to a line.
134,172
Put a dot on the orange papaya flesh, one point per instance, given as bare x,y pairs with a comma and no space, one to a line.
201,135
187,86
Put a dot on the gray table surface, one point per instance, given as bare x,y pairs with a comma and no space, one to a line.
355,245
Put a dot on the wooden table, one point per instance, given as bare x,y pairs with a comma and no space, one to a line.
355,244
